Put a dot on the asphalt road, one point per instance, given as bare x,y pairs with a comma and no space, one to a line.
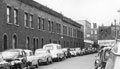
81,62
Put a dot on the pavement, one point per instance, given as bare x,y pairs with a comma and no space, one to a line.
80,62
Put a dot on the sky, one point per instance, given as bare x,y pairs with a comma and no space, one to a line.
95,11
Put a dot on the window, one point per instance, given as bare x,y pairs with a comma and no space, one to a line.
14,41
15,16
42,24
34,44
27,43
42,41
74,33
96,31
65,30
39,23
57,27
31,21
69,31
37,42
91,31
52,27
26,20
8,14
5,42
49,26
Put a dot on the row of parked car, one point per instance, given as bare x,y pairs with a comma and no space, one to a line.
23,58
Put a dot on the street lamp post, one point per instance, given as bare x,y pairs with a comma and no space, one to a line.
115,30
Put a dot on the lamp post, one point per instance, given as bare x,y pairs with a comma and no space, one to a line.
115,30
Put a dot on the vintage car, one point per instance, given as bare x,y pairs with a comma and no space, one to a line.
78,51
55,50
102,57
16,57
73,52
4,64
44,56
114,57
32,60
66,52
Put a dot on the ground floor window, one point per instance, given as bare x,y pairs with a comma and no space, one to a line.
42,42
14,41
34,44
37,43
27,43
5,42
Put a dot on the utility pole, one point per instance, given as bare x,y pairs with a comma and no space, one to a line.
115,30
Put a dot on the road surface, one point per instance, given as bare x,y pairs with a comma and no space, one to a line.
80,62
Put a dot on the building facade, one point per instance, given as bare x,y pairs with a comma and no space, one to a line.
108,32
94,32
29,25
87,29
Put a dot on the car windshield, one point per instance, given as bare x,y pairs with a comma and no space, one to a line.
10,54
49,47
40,52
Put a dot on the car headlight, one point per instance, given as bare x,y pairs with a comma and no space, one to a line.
97,61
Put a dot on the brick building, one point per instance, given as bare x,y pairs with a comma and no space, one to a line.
29,25
108,32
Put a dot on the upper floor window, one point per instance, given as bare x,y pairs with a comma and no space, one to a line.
8,14
26,20
42,23
39,23
31,21
52,26
49,26
65,30
15,16
96,31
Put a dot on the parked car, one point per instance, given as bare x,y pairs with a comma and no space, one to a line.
16,57
4,64
78,51
66,52
73,52
44,56
32,60
55,50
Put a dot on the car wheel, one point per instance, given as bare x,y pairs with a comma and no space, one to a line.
39,62
47,62
51,61
37,65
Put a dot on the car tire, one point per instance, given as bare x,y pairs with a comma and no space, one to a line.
51,61
47,62
39,63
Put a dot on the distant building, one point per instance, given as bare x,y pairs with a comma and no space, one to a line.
108,32
87,32
94,32
87,29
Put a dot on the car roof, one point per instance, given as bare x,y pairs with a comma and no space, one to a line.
28,50
53,44
13,50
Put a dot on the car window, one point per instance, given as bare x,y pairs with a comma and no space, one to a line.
31,53
58,47
23,54
50,47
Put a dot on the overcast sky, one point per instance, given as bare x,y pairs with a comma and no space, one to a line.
95,11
